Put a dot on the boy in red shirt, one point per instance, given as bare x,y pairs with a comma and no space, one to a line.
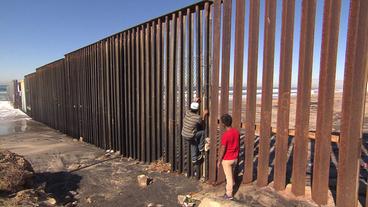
228,153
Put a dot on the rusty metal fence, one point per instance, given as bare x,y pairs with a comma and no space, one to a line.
128,92
261,162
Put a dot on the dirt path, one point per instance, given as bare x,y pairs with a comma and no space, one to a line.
56,159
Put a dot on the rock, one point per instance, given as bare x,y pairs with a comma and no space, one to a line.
51,201
217,202
15,171
73,204
181,199
31,197
143,180
73,192
75,140
89,200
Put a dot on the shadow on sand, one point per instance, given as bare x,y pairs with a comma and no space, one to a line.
59,185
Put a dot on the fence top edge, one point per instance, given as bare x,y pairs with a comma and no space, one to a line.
162,17
29,74
48,64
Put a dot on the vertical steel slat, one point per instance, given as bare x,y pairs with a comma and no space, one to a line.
288,10
250,111
126,115
142,89
225,69
267,88
111,94
185,144
98,106
193,73
179,91
77,97
189,79
101,124
207,69
100,95
84,95
205,61
214,91
92,93
303,97
103,82
138,94
134,94
331,20
238,62
121,94
108,92
103,94
165,121
129,94
103,107
147,94
198,37
118,92
153,91
159,79
115,94
353,104
172,97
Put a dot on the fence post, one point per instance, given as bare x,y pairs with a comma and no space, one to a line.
331,20
355,80
288,11
214,91
267,88
303,97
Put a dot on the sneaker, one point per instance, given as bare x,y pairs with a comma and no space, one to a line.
230,198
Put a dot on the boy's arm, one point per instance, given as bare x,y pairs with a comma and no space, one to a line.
221,155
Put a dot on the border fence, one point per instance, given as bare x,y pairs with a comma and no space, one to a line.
128,92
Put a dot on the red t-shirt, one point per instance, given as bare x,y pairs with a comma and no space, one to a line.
230,139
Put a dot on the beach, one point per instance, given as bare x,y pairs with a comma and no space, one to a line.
337,109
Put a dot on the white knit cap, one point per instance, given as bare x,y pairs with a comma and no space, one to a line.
194,106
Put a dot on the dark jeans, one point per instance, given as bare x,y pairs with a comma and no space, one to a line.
196,145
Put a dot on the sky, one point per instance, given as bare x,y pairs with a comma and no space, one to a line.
34,33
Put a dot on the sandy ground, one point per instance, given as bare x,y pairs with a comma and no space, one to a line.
110,182
313,112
